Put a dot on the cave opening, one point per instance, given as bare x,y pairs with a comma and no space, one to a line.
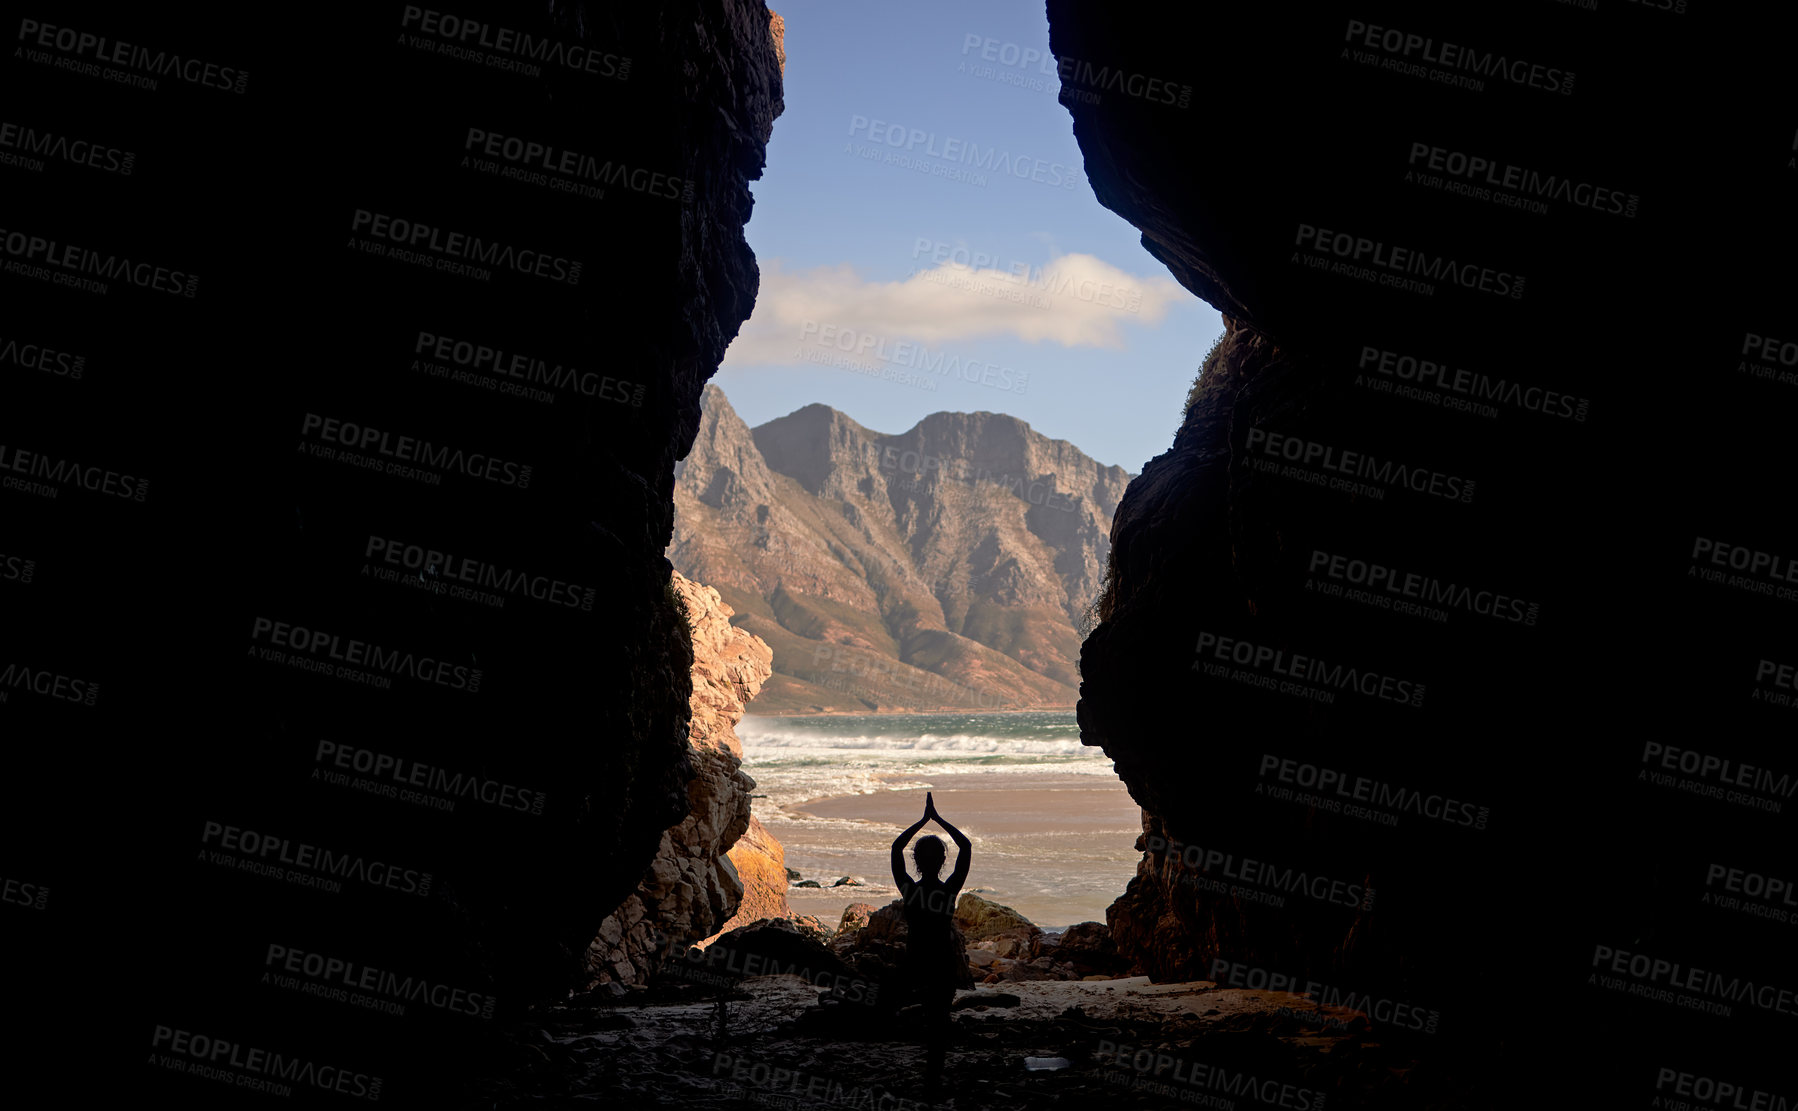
892,488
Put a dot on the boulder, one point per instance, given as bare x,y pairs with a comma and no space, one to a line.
1020,943
761,866
1015,971
1088,948
980,918
855,916
812,926
765,947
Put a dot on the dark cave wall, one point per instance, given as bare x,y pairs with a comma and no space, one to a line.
1585,506
581,707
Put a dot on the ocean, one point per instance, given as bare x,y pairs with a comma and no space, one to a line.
1053,828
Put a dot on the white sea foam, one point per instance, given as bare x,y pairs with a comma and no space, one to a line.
794,759
775,740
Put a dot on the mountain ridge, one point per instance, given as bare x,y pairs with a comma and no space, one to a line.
948,566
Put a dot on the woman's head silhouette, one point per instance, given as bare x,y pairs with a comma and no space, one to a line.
929,854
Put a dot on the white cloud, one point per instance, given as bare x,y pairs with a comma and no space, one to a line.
1073,300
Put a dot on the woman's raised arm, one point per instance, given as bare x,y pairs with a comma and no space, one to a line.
964,852
899,877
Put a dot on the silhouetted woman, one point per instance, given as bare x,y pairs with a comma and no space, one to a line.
930,951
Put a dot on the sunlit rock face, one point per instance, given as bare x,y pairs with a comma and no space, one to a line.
709,868
1462,500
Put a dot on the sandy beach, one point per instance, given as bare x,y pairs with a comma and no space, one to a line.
1053,827
1055,848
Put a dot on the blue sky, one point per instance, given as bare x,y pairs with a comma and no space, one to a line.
924,221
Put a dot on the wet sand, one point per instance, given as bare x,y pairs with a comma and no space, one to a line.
1019,804
1055,847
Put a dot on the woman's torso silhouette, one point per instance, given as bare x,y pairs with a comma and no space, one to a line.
929,911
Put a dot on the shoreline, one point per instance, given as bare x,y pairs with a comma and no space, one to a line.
914,713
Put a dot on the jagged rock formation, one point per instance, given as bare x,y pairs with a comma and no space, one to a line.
695,886
948,566
1419,459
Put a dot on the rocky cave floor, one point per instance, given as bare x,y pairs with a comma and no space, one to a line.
661,1049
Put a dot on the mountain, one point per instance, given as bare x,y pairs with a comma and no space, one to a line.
947,567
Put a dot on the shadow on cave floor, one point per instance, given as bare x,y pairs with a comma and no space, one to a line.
1123,1043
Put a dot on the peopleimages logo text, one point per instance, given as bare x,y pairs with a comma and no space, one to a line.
334,977
1451,57
464,247
82,260
463,33
443,566
530,155
913,356
1425,589
1652,972
80,44
68,472
1039,491
1408,1016
65,148
1477,386
16,568
1309,669
1706,765
1358,465
1739,558
1259,872
1359,788
533,374
259,847
36,356
1505,175
427,777
1722,1093
1034,284
963,152
409,449
1409,260
48,683
385,661
1185,1079
211,1054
